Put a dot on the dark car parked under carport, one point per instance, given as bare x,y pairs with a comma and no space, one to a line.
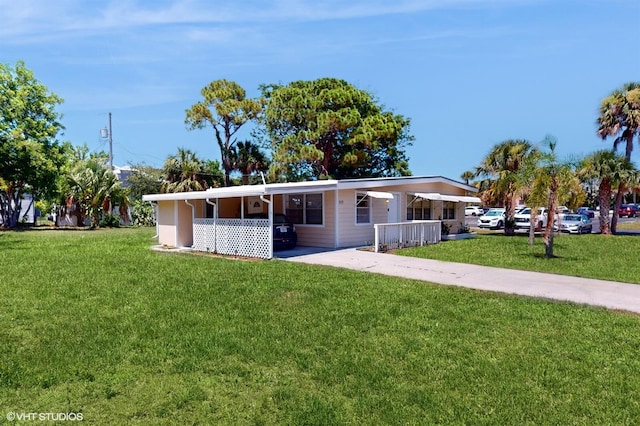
284,231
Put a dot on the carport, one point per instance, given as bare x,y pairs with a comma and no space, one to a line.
182,221
216,220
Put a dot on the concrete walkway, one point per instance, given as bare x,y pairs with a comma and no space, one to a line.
609,294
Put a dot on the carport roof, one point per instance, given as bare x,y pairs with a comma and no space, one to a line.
246,191
297,187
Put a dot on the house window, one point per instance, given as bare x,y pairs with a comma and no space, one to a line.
363,208
418,209
448,210
305,209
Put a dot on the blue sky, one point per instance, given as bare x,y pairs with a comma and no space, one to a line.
469,73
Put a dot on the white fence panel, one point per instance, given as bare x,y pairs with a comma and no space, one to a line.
389,236
238,237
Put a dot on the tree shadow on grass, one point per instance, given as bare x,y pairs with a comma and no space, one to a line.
55,228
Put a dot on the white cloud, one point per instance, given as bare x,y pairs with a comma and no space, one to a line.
36,20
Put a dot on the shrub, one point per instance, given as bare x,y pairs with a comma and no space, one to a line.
142,214
110,221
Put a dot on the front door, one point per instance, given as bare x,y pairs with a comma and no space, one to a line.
393,208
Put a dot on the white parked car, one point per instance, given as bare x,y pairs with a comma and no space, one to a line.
473,211
574,223
523,218
493,219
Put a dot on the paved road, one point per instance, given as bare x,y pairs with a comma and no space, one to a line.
609,294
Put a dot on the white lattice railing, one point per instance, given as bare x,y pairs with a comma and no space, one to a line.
390,236
238,237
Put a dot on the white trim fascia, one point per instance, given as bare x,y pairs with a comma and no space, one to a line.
402,180
305,187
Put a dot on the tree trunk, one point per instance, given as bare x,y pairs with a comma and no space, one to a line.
548,246
551,215
604,197
509,221
14,207
616,206
532,228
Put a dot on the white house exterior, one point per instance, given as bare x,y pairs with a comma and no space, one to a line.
326,213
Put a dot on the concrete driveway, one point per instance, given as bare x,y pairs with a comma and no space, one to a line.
608,294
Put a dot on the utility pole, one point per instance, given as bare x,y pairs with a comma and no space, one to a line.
106,134
110,144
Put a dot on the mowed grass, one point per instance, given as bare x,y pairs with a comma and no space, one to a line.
95,322
607,257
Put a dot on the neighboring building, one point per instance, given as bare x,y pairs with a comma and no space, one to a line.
327,213
123,174
27,210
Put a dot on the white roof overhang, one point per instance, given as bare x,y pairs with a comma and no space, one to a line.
231,192
428,195
318,186
467,199
380,194
246,191
439,197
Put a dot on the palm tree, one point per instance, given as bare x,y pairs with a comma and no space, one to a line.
247,158
183,172
634,184
467,176
620,117
503,166
556,182
91,183
610,170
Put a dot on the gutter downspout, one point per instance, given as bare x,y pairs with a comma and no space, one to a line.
270,224
336,220
193,217
215,207
215,217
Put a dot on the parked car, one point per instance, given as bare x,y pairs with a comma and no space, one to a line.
586,211
518,209
523,218
284,231
493,219
574,223
473,211
629,210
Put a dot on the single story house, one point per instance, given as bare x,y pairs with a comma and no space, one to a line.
326,213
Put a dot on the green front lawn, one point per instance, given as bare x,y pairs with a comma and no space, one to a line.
608,257
95,322
629,226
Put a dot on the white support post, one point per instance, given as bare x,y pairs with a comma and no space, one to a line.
376,240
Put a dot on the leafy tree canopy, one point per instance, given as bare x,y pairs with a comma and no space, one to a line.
30,155
329,128
143,180
226,108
